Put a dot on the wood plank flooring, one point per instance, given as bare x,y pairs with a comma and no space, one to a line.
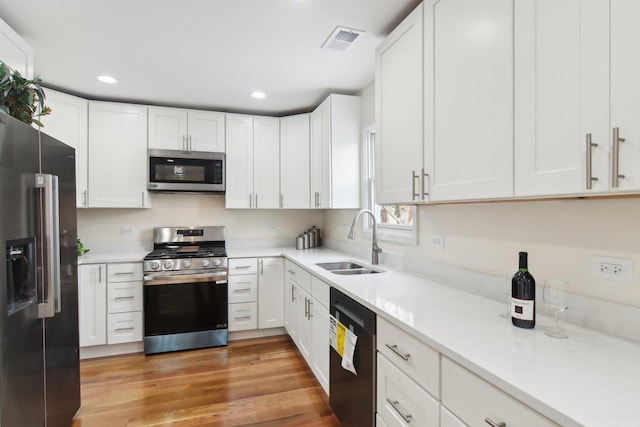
262,381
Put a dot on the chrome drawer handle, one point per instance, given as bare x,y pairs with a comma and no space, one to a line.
125,329
242,317
242,267
124,273
493,423
129,297
394,348
394,404
242,291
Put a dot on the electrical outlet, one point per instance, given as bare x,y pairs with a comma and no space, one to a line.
271,227
436,242
126,230
617,269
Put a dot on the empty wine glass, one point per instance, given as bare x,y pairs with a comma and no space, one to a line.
505,289
555,295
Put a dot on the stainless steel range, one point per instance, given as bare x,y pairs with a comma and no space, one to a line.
185,289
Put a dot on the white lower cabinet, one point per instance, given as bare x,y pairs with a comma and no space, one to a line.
447,419
110,303
243,316
380,422
477,403
270,293
401,401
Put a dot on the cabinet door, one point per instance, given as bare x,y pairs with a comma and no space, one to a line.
117,155
399,112
270,293
239,193
294,162
470,124
14,51
168,129
266,162
321,155
68,122
625,91
291,317
206,131
305,325
124,297
320,343
92,310
561,95
124,327
243,316
243,288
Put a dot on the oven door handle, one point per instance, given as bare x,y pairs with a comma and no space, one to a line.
185,278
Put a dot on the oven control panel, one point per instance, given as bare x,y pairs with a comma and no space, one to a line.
180,264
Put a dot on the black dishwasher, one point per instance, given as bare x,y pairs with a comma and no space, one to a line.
353,397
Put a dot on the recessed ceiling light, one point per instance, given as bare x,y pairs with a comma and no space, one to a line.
258,95
107,79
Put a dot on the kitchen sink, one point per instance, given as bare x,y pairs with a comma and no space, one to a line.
346,268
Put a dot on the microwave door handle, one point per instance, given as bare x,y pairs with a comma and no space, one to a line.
51,227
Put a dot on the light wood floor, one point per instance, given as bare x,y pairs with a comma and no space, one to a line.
262,382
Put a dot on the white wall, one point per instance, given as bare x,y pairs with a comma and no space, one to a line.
560,236
102,226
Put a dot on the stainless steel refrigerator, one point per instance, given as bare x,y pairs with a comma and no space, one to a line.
39,360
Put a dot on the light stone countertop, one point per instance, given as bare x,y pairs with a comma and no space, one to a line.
106,257
590,379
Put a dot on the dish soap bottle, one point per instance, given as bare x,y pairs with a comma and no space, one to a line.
523,296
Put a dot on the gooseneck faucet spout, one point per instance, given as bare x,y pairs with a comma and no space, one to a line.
375,249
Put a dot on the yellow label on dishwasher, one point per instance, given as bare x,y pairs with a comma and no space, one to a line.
340,335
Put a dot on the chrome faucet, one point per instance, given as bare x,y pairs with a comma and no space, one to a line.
375,249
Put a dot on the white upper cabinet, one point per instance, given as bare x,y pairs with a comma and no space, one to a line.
625,95
68,122
294,162
15,51
469,99
335,153
253,162
399,113
117,155
562,96
186,130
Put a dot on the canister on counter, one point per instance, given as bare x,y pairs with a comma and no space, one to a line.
300,242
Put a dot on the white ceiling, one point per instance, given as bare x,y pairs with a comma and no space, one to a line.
204,53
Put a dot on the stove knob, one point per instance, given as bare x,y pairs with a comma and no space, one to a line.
186,264
155,265
168,265
217,262
205,263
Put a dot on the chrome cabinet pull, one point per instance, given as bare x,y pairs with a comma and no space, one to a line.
262,267
306,307
256,200
121,298
99,274
394,348
125,329
590,147
281,201
394,404
615,158
242,291
309,303
493,423
241,267
250,200
190,143
242,317
293,297
184,142
424,186
123,273
413,185
144,199
84,198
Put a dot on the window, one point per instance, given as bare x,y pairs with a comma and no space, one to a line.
396,223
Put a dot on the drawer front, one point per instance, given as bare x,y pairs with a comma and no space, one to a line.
400,401
124,296
380,422
243,288
124,327
124,272
320,291
416,359
242,266
473,400
243,316
447,419
299,275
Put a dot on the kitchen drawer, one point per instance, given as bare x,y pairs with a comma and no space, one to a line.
320,291
243,316
398,396
473,400
242,266
243,288
447,419
124,296
380,422
124,327
422,362
124,272
299,275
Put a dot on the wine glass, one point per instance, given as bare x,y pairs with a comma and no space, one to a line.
505,289
555,295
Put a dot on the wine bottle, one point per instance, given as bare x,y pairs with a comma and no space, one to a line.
523,296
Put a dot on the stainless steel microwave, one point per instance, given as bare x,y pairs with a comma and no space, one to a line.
193,171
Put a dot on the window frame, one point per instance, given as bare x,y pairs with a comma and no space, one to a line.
386,232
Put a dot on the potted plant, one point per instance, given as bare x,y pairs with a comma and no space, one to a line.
20,97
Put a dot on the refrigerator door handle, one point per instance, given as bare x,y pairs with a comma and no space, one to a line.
51,301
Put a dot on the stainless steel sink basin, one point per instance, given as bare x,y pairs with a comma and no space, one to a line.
342,265
346,268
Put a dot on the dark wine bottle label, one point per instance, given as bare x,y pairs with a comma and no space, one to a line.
522,309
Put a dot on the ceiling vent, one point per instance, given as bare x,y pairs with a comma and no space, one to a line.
341,38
